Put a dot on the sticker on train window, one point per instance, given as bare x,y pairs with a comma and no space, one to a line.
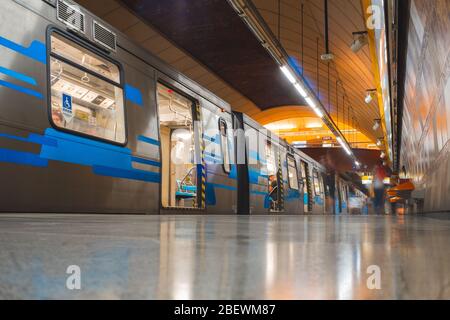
67,107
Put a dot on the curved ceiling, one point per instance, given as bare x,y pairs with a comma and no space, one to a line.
226,78
212,32
350,74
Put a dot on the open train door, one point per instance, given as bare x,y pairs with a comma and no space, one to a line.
182,169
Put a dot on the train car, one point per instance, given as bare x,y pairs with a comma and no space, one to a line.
274,176
350,199
92,123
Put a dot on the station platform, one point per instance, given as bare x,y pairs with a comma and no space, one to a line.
224,257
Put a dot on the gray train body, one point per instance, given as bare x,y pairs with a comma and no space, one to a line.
46,169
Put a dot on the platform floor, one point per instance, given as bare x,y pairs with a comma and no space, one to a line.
224,257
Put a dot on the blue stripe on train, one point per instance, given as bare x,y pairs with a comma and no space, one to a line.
210,192
16,87
215,139
103,158
18,76
148,140
127,174
146,161
23,158
36,51
134,95
33,138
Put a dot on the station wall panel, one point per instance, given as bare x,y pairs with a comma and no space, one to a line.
426,120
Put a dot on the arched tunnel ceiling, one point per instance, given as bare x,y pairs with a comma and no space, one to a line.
354,70
212,32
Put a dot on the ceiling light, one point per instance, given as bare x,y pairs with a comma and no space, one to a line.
369,96
344,146
376,124
357,164
300,89
279,126
327,57
310,102
318,112
313,125
359,41
379,142
288,74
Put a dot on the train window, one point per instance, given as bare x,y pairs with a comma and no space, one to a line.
224,145
86,93
270,159
316,182
292,173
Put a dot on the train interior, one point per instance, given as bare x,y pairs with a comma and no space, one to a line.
179,172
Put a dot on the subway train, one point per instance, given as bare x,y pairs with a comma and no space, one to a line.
92,123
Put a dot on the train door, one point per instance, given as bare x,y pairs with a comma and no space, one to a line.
293,201
275,177
345,198
318,197
307,192
179,182
339,197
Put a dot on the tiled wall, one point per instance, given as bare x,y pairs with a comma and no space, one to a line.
426,121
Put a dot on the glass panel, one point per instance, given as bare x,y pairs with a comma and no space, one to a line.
76,53
84,103
316,183
292,171
224,145
270,158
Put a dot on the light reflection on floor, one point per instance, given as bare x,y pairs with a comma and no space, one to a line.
224,257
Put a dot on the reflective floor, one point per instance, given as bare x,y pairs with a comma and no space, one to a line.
224,257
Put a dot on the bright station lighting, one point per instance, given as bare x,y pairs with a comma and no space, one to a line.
344,146
288,74
300,89
293,80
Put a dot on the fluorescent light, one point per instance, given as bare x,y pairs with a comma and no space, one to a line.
279,126
379,142
318,112
347,150
344,146
376,125
357,163
300,89
310,102
313,125
288,74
